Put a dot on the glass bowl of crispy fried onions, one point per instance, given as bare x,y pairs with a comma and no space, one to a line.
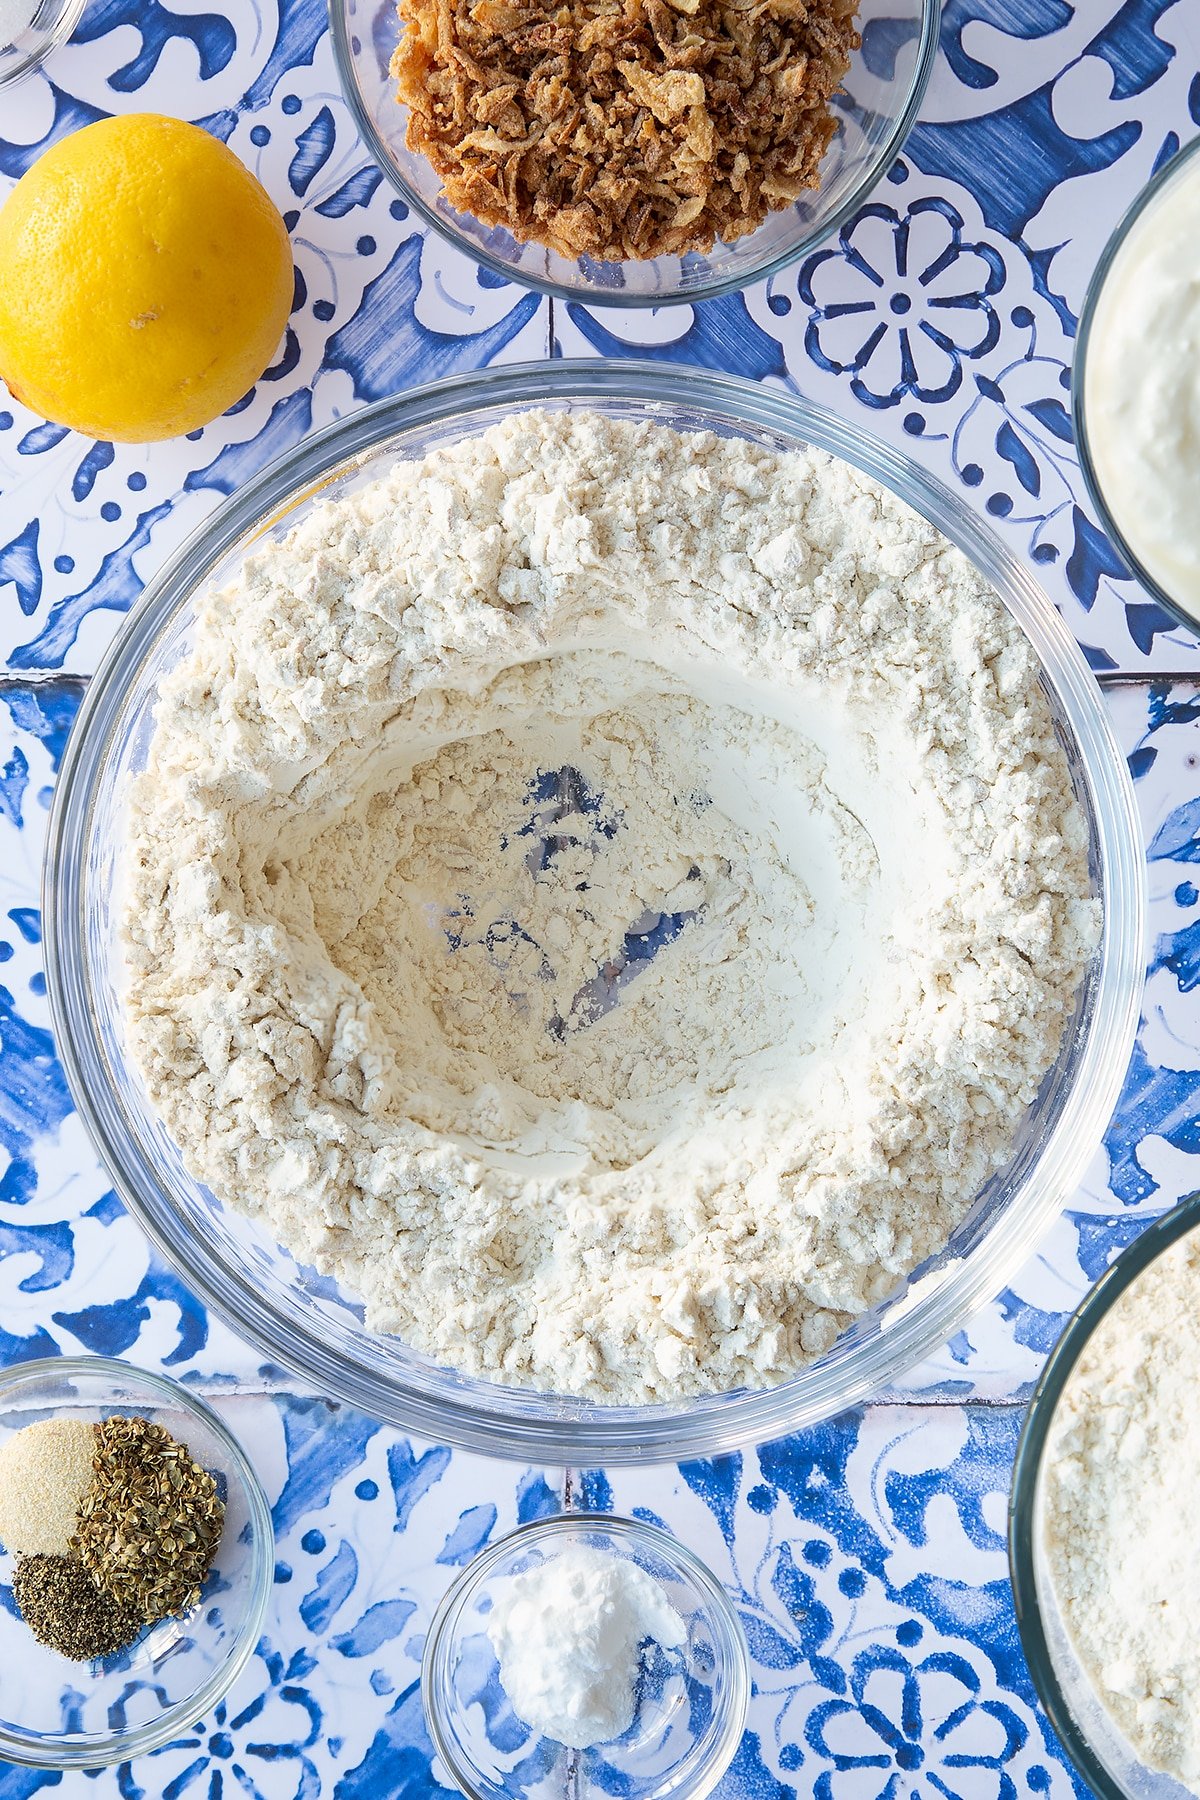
634,153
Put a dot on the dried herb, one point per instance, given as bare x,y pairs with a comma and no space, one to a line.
64,1608
151,1521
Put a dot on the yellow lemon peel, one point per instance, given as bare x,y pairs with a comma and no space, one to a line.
145,280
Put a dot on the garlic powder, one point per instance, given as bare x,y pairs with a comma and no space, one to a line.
569,1636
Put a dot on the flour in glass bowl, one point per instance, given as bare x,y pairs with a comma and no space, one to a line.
1121,1469
605,895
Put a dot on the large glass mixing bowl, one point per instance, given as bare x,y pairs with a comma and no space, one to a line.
302,1320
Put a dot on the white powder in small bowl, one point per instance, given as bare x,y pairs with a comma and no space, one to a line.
16,16
1122,1469
45,1470
568,1636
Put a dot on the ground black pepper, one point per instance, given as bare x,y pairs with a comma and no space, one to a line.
64,1608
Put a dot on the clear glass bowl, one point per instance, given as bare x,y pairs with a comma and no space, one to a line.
1101,1753
691,1702
875,109
301,1319
56,1714
51,25
1108,507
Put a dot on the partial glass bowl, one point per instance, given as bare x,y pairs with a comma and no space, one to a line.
303,1320
51,25
1179,167
1101,1753
691,1702
57,1714
875,110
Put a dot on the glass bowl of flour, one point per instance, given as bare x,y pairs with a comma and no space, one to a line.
587,1649
1101,1531
571,1001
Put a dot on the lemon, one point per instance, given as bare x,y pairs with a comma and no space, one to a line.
145,280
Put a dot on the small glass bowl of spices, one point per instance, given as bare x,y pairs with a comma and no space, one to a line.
590,1655
136,1560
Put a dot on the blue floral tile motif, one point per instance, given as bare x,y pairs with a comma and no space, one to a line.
902,303
1014,447
867,1561
894,1694
242,1753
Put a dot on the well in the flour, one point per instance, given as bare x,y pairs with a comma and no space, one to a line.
606,895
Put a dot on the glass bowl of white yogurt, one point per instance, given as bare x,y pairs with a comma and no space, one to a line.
1135,390
1101,1527
308,1321
590,1651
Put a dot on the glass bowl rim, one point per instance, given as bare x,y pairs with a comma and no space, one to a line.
567,1525
872,174
1142,200
1088,1316
52,39
117,1746
711,1424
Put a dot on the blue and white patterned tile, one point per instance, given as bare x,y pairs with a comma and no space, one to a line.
379,306
867,1560
1054,115
942,317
